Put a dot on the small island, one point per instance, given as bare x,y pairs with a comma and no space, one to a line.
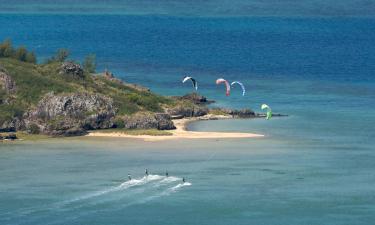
61,97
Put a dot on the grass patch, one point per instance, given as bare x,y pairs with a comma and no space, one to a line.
218,112
135,132
31,137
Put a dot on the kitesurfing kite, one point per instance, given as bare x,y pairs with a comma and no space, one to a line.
221,80
194,82
269,111
242,86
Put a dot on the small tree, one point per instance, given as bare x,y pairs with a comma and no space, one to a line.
31,57
89,64
61,55
119,123
33,129
6,49
21,54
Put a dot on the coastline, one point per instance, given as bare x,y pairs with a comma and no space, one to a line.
181,132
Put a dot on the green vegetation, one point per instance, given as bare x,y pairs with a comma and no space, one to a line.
130,100
34,129
8,51
33,81
136,132
218,112
60,56
89,65
31,137
28,82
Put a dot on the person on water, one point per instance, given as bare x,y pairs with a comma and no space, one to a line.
129,176
166,174
183,180
146,172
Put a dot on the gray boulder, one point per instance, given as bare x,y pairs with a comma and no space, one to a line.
7,83
56,114
74,131
164,121
72,69
160,121
187,111
12,125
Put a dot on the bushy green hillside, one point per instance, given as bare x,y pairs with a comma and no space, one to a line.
33,81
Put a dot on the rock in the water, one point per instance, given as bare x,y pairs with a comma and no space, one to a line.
243,113
239,113
56,114
71,68
160,121
7,83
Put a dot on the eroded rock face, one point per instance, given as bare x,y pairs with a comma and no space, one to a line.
71,68
7,83
160,121
12,125
164,121
59,114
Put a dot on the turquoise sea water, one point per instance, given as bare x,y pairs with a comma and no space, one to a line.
313,167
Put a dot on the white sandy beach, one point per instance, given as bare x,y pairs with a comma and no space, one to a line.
181,133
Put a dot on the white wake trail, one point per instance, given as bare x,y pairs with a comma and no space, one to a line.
123,186
166,192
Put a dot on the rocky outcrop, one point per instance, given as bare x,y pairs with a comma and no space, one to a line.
12,125
164,121
187,111
7,83
195,99
242,113
160,121
74,131
10,136
72,69
72,113
238,113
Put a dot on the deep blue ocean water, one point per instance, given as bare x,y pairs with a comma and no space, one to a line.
313,167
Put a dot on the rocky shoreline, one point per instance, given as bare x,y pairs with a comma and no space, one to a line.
77,113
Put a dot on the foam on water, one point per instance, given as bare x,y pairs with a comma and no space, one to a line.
123,186
150,182
178,186
166,192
